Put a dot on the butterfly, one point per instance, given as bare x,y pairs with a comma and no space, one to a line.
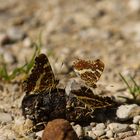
89,71
43,101
41,78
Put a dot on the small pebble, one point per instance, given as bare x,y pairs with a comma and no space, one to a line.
109,134
100,126
136,119
9,57
15,34
93,124
27,42
87,129
92,135
73,84
99,133
133,126
39,134
125,134
118,127
78,129
125,112
5,117
133,138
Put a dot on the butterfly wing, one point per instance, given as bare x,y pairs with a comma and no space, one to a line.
89,71
41,77
92,101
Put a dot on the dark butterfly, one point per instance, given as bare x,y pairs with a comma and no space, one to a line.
41,78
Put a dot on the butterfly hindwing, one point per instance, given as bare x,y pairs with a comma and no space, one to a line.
86,96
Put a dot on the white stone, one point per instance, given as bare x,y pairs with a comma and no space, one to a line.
39,134
78,129
73,84
109,134
87,128
133,126
125,112
92,135
8,57
136,119
93,124
100,126
118,127
27,42
99,132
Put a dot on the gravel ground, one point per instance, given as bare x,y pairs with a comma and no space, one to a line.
91,29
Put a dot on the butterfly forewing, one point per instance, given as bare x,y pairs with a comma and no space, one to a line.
41,77
89,71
